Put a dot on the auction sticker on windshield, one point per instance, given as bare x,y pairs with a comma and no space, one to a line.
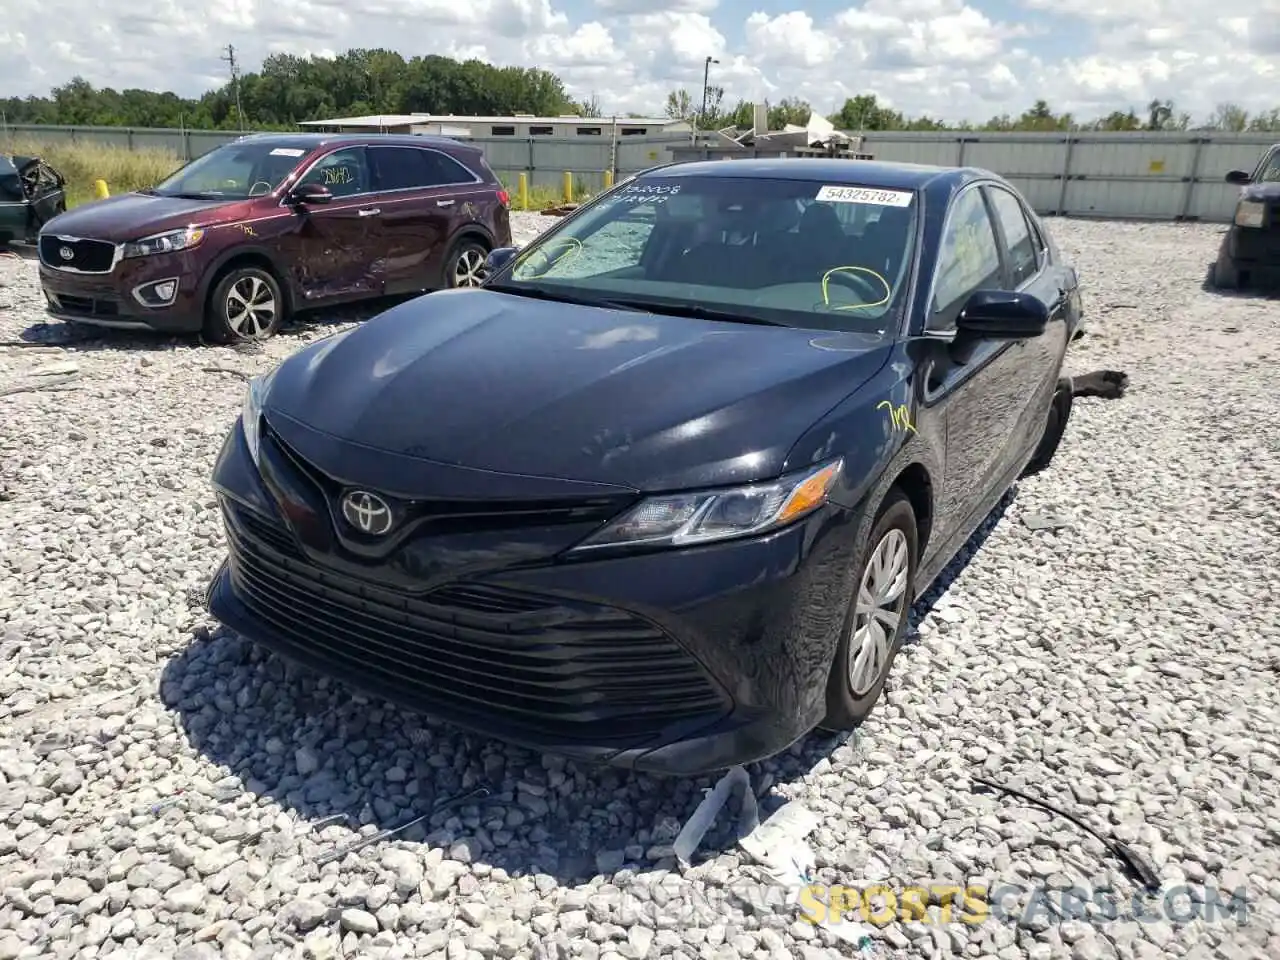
882,198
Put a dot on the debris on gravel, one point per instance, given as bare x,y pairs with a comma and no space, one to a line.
1113,646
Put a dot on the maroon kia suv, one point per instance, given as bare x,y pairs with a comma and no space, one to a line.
271,224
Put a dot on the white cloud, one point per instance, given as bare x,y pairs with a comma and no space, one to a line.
948,58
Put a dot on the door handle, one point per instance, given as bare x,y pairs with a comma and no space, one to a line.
370,212
444,203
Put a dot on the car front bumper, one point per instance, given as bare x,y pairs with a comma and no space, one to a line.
678,662
1257,250
125,297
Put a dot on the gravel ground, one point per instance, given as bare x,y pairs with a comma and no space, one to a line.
163,786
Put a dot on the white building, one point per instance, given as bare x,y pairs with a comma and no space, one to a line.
520,126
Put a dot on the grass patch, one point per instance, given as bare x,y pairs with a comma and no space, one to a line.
543,197
82,162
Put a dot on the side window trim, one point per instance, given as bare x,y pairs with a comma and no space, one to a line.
364,148
930,313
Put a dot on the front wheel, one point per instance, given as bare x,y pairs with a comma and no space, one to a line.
876,620
465,265
247,304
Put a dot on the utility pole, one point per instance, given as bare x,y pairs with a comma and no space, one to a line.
230,58
706,75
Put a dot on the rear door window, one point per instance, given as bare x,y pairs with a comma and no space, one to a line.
400,168
1017,236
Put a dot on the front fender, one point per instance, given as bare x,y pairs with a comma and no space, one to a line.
878,432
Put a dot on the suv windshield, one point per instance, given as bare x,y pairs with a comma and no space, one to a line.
796,253
234,171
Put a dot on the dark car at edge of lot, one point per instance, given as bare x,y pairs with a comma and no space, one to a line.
31,193
240,238
661,492
1250,250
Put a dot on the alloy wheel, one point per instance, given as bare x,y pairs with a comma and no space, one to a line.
878,610
469,270
251,307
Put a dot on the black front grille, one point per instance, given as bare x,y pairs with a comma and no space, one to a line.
87,256
438,517
104,307
549,667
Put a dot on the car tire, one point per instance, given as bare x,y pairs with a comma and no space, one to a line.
1054,429
854,687
464,266
246,304
1225,276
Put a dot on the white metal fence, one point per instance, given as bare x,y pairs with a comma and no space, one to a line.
1159,176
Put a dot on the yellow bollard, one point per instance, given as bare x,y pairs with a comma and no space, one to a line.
608,179
100,191
568,187
522,190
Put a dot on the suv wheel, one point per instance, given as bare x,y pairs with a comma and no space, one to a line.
465,264
247,304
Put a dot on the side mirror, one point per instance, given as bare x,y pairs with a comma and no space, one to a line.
305,193
499,257
1002,315
1238,177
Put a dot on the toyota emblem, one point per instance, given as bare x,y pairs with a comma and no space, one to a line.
66,253
367,512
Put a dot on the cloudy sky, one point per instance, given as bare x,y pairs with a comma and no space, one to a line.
949,58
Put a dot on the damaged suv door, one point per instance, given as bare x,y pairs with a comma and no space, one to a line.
31,193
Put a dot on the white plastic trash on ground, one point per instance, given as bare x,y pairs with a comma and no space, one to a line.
778,844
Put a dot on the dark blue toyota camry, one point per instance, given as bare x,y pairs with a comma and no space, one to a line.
661,492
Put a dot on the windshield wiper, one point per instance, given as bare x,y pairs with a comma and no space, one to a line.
695,312
540,293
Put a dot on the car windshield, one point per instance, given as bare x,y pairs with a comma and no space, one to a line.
1271,169
794,253
234,171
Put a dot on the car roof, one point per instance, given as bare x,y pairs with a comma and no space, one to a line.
312,141
865,173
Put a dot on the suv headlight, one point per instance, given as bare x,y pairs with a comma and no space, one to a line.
1250,213
685,519
169,242
251,413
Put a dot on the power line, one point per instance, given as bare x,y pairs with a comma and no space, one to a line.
230,58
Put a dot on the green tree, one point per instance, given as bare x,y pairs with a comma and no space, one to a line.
864,112
680,105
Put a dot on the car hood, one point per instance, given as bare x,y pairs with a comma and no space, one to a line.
503,383
131,216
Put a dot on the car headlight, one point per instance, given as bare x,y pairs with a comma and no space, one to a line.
168,242
251,413
1250,213
685,519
